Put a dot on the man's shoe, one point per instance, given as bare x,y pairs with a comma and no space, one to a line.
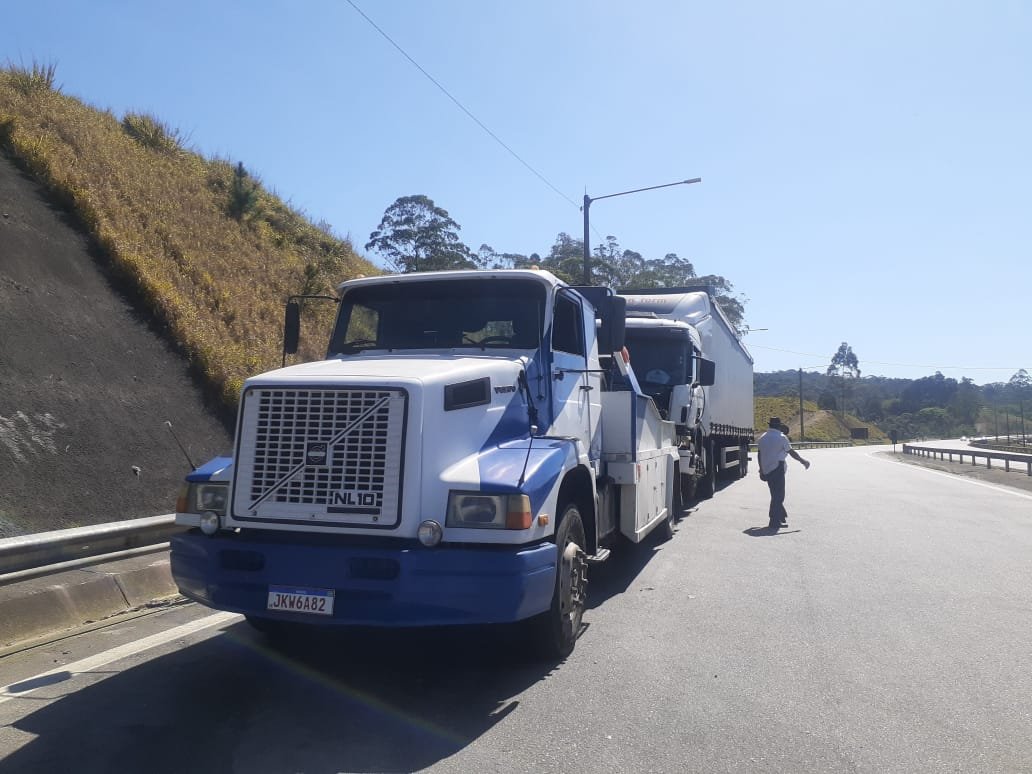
784,522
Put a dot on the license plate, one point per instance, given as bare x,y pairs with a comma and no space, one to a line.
295,600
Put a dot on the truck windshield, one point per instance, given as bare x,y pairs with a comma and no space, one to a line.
474,313
660,359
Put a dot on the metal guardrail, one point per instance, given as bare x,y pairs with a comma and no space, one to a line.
989,456
1002,447
76,545
813,445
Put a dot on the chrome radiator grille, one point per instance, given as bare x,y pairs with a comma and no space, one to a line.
320,455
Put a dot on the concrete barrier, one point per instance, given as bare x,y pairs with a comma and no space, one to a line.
52,604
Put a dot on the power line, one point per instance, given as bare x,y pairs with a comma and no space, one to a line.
462,107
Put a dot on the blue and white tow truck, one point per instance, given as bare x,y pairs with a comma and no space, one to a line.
471,441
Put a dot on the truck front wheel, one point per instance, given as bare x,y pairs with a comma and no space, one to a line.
708,483
554,632
666,529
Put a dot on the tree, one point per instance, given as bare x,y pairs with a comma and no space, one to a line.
934,421
620,269
1020,387
928,391
843,370
733,306
965,405
417,235
489,258
826,400
844,363
243,194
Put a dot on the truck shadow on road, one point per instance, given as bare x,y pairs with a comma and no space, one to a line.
358,701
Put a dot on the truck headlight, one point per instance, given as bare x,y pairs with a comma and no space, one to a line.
201,497
482,511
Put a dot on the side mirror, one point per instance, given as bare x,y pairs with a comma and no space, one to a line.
614,324
291,328
707,372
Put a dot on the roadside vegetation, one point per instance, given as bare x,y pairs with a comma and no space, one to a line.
934,406
817,424
200,244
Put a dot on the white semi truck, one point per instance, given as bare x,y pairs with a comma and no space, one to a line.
690,360
470,442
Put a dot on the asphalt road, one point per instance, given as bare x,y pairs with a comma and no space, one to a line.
886,630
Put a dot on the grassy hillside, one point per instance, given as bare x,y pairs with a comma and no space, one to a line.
197,242
818,425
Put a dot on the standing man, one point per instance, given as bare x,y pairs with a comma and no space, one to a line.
772,448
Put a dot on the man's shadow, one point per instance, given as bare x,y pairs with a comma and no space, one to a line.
766,531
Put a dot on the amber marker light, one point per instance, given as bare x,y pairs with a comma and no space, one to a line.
518,515
183,500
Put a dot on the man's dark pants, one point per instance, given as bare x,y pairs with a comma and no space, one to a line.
776,484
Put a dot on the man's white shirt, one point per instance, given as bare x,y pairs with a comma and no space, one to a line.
773,447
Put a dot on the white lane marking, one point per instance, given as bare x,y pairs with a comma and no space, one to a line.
955,477
27,686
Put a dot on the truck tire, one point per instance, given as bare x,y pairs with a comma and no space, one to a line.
554,632
708,483
688,484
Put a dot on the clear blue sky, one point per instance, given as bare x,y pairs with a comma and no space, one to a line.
866,166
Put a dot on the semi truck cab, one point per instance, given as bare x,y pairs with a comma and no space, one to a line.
458,456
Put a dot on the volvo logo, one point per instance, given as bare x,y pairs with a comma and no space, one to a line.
315,454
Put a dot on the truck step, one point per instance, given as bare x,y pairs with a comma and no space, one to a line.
601,556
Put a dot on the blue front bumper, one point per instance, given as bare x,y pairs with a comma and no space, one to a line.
410,586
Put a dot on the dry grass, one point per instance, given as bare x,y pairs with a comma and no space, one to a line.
159,213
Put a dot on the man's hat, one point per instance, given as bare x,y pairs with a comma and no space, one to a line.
774,422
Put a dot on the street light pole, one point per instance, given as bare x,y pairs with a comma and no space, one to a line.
587,205
802,433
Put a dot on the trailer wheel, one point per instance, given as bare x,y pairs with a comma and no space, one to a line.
554,632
